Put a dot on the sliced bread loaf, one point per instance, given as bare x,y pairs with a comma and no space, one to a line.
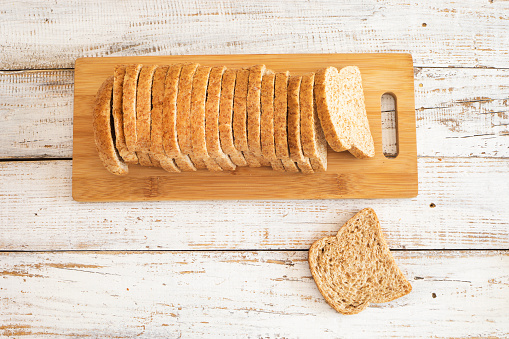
103,128
355,267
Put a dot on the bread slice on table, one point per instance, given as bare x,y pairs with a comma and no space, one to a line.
118,119
314,145
267,121
156,118
225,119
213,142
355,267
103,128
143,110
198,132
184,113
132,73
169,124
294,141
254,109
240,117
281,121
340,103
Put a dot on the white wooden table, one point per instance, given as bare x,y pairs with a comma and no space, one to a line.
239,268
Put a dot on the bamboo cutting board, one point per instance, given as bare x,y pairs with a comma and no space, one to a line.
346,177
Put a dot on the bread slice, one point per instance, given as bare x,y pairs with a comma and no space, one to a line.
314,145
156,118
225,119
184,113
118,119
267,121
254,109
143,109
212,120
103,129
342,112
198,134
294,142
281,122
169,124
132,73
355,267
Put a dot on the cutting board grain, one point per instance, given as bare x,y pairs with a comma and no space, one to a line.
346,177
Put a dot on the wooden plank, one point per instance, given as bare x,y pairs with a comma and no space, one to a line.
460,112
346,176
469,33
462,204
270,294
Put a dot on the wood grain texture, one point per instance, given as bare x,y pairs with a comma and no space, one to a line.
346,177
247,294
469,33
460,113
462,204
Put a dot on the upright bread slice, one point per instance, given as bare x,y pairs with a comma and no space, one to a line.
143,109
214,148
267,121
104,139
294,142
355,267
198,133
132,73
170,140
118,119
184,113
281,122
226,118
240,117
156,117
313,140
342,112
254,109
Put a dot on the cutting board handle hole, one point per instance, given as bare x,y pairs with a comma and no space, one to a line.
389,118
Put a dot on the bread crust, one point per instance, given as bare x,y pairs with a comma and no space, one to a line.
314,145
225,119
169,124
118,119
102,124
355,267
212,120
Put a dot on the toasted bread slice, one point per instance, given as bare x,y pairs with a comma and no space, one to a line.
342,112
281,121
214,148
225,119
143,110
132,73
156,117
355,267
314,145
294,141
267,121
198,133
103,128
118,119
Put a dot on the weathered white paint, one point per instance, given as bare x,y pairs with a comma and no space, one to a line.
460,113
38,213
242,294
438,33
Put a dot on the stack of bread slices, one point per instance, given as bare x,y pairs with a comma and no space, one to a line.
186,117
